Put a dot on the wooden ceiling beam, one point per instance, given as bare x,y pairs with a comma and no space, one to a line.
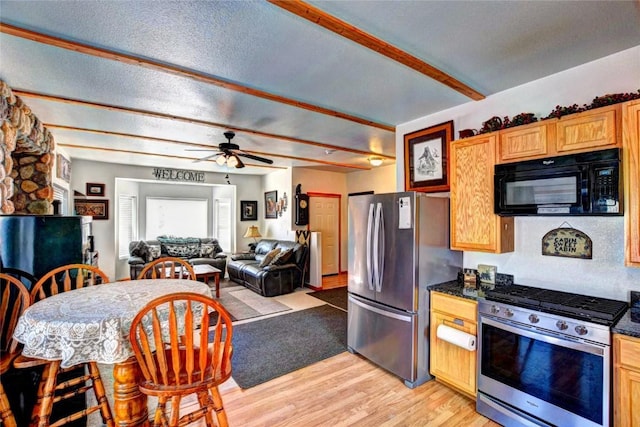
346,30
182,72
192,144
145,153
146,113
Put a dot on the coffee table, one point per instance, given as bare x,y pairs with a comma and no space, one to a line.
204,273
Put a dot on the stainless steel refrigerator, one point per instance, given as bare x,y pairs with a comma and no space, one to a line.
398,245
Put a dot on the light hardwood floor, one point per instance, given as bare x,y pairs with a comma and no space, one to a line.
347,390
334,281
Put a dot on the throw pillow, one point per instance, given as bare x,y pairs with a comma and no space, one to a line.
153,252
283,257
268,257
139,249
207,250
185,250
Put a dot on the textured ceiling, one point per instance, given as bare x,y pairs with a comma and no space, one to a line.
139,82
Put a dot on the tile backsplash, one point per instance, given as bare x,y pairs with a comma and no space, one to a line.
603,276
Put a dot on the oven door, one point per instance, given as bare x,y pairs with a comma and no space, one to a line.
559,381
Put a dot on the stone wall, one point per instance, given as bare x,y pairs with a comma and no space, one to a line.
26,158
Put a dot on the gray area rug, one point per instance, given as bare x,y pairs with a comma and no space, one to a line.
272,347
337,296
243,303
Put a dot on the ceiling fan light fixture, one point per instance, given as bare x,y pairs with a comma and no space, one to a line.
375,161
221,160
232,161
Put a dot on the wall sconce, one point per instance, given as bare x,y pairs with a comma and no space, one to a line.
281,206
375,161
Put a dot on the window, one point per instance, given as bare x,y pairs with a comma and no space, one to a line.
177,217
62,195
222,229
127,223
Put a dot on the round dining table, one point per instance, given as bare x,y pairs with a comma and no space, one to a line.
92,324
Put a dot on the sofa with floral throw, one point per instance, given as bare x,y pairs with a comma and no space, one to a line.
195,250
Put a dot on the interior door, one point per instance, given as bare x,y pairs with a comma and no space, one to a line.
324,215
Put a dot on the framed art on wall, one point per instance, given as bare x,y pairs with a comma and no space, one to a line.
63,168
95,189
98,209
248,210
270,201
426,158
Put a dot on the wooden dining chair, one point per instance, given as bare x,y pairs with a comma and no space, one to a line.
51,389
67,278
168,268
27,279
177,358
15,299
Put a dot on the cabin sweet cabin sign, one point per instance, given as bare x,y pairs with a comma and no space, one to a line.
567,242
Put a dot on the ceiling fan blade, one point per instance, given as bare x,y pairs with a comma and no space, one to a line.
206,158
251,156
203,149
240,165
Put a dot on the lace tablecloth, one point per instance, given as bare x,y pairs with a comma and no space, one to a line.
92,324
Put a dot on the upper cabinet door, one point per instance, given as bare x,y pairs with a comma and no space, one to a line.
631,171
527,142
474,226
589,130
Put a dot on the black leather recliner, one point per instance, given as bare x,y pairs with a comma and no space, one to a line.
274,278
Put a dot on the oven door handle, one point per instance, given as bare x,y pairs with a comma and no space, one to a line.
537,334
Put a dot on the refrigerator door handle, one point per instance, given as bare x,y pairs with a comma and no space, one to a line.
376,248
369,242
380,251
386,313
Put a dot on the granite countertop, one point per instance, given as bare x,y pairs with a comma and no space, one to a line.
455,288
629,324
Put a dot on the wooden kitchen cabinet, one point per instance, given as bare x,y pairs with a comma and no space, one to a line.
474,226
631,171
626,381
590,130
449,363
527,142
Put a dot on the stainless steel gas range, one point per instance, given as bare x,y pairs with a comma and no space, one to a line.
545,357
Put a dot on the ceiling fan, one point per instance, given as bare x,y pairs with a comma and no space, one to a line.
227,153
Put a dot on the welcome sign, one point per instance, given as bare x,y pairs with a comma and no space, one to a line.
177,175
567,242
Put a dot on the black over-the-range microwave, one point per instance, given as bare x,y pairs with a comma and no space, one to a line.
576,184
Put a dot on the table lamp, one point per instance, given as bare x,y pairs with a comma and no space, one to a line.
252,231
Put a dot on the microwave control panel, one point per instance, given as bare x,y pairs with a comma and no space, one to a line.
605,190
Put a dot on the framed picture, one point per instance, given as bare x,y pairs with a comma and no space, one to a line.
63,168
94,189
98,209
270,201
426,158
248,210
487,273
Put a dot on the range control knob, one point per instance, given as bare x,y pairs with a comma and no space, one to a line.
533,318
581,330
508,312
562,325
495,309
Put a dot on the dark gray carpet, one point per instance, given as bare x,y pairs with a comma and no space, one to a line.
269,348
337,296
